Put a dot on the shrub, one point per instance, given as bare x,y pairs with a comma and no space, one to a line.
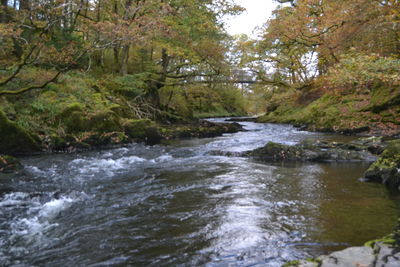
361,70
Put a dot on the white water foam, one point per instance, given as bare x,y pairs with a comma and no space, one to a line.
108,166
41,219
34,219
15,199
163,158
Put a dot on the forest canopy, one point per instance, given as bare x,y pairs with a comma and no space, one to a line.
310,38
173,60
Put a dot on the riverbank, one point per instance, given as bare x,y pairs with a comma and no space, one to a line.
371,111
87,110
17,141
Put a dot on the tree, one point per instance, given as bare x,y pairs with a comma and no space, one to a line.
307,37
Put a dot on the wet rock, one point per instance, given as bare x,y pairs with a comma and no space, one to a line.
9,164
202,129
227,153
356,130
353,256
301,127
239,119
102,139
311,151
374,144
386,256
380,255
386,169
153,136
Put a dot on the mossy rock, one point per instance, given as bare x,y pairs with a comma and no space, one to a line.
76,119
136,129
73,117
14,139
386,169
103,121
303,263
275,151
142,130
103,139
70,108
387,240
317,152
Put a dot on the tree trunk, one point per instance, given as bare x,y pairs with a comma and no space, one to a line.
125,48
24,4
124,60
4,12
116,58
160,82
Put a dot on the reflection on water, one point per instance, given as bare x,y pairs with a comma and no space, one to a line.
178,204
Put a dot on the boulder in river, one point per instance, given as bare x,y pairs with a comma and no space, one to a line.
386,169
314,151
374,144
201,129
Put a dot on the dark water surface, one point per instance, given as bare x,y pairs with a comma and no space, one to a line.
178,204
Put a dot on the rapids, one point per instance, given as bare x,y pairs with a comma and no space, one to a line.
178,204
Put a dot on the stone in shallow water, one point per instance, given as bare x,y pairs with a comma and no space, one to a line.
311,151
353,256
9,164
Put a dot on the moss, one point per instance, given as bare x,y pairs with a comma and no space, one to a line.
386,169
76,119
14,139
291,263
72,116
103,121
390,158
314,260
136,129
118,109
387,240
102,139
70,108
340,111
57,142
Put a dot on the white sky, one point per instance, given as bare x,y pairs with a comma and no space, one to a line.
256,14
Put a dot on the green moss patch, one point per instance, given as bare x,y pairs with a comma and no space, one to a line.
14,139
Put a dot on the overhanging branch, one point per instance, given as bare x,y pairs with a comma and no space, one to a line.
29,88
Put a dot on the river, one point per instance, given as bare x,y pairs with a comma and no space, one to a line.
179,204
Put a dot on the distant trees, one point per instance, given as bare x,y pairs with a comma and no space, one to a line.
306,38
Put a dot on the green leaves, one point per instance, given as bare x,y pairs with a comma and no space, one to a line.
360,70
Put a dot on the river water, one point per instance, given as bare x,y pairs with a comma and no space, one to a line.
179,204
